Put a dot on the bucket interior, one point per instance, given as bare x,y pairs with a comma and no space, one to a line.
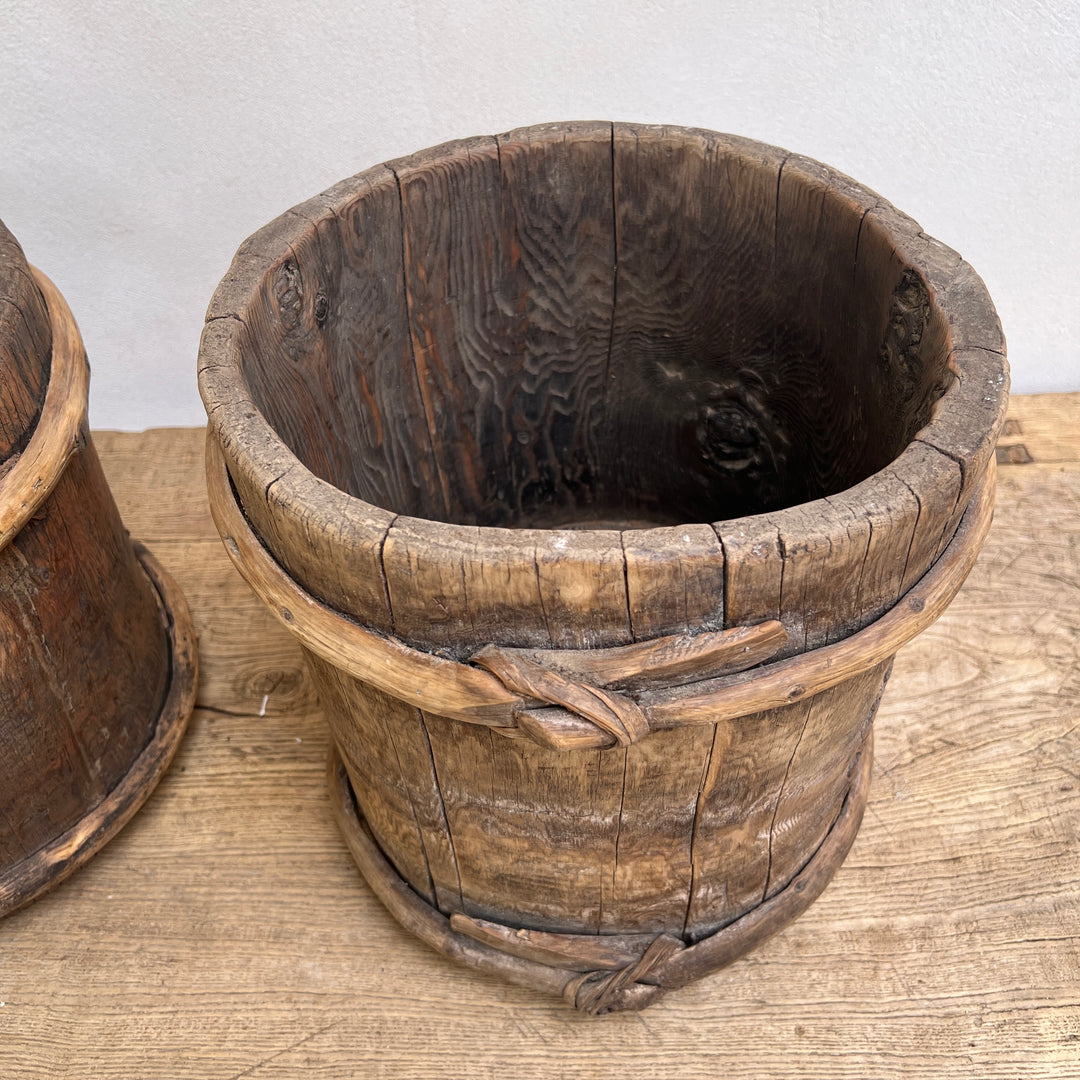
570,331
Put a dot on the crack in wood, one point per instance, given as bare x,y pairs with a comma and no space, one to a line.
442,808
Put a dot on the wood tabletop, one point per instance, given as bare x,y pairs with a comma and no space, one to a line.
226,933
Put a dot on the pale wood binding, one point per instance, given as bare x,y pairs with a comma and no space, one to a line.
464,692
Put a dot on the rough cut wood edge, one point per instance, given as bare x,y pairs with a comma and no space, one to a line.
61,427
50,865
603,987
259,460
463,692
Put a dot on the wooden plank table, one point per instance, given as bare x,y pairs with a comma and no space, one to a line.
226,933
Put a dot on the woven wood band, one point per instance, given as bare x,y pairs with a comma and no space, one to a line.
61,427
568,699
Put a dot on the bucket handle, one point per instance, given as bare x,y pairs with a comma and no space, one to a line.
549,696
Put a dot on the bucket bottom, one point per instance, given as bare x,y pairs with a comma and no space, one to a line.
597,973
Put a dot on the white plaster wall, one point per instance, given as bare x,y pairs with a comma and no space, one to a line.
141,142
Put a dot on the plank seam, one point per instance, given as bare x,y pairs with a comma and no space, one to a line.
698,806
388,728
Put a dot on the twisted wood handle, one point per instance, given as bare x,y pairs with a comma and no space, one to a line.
586,715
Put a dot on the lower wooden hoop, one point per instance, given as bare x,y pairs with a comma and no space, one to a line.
639,984
50,865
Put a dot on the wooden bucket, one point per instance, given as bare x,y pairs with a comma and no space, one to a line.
97,650
601,470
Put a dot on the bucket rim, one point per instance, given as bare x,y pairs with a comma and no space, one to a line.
964,425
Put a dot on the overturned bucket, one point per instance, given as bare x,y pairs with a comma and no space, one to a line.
601,470
97,648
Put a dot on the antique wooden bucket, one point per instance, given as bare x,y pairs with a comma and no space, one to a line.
97,650
601,470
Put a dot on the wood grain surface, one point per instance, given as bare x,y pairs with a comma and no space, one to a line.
226,932
25,347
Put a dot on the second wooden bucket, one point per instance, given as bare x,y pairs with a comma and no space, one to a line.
98,661
601,470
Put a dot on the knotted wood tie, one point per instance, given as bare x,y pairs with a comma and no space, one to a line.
596,991
610,971
610,710
595,685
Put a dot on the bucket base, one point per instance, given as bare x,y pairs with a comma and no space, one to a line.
29,878
597,973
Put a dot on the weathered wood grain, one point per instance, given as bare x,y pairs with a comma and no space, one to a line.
825,333
695,215
1041,428
460,587
366,723
819,771
556,211
351,577
226,930
674,580
371,382
82,639
735,807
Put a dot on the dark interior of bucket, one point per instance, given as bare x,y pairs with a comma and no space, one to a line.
584,330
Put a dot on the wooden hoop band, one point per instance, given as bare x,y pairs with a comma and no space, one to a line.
465,692
61,427
595,973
